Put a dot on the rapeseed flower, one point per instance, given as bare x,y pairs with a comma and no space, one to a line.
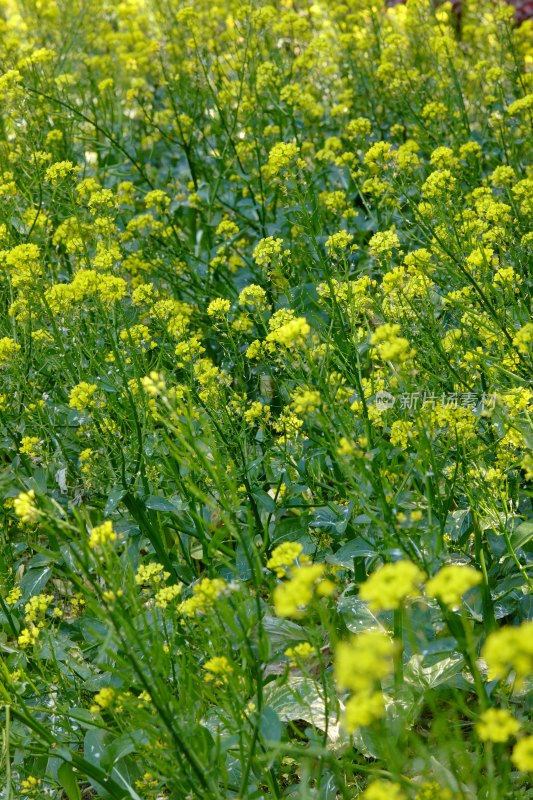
204,595
292,597
497,725
383,790
510,649
81,396
25,507
218,669
363,660
285,556
522,755
452,582
391,585
101,535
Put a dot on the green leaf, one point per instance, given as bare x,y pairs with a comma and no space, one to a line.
264,501
331,518
68,781
458,523
34,581
270,725
122,746
160,504
422,673
283,632
113,499
357,548
522,535
357,615
302,698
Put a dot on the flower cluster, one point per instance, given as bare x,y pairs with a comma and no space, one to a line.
360,664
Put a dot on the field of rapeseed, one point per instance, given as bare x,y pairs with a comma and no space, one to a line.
265,400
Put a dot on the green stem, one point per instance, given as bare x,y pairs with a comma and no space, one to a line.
7,754
398,653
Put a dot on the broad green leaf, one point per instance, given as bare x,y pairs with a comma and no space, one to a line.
160,504
357,615
113,499
333,519
356,548
419,670
282,632
264,501
522,535
270,725
457,523
68,781
302,698
34,581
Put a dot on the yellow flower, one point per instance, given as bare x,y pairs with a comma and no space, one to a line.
280,156
391,585
218,307
254,296
523,338
36,607
507,276
256,413
389,345
187,350
378,156
105,698
157,199
154,383
24,261
80,396
8,350
401,433
383,243
167,595
496,725
359,127
31,786
267,250
362,709
338,241
291,334
102,535
433,791
13,596
284,556
383,790
25,507
28,446
300,652
522,755
112,288
451,582
227,229
204,595
218,670
363,660
28,636
292,597
346,447
439,184
59,171
138,336
306,401
510,648
522,104
151,574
